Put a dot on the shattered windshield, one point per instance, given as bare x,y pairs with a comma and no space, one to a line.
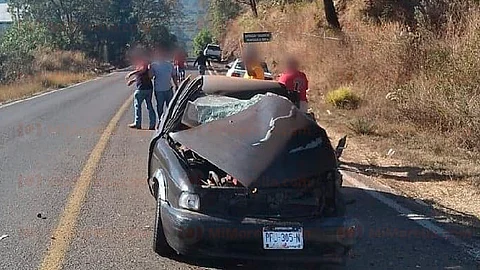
210,108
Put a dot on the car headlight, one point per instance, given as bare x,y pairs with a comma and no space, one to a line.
189,201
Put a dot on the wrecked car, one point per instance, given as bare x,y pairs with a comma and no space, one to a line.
239,172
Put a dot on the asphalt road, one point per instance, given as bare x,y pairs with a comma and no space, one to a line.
45,143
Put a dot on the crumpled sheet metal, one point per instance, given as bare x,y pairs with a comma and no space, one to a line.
269,144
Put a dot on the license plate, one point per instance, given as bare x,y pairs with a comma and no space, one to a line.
282,238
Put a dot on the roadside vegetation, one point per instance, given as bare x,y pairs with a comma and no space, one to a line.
412,69
53,44
201,40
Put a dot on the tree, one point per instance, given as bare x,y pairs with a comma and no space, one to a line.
17,48
220,12
98,25
153,19
201,40
63,18
331,14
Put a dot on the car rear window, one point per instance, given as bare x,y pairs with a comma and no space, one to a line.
240,66
213,48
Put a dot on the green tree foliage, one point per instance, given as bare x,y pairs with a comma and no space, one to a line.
92,25
201,40
17,48
221,11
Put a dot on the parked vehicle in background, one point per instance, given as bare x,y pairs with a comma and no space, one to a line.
213,51
237,69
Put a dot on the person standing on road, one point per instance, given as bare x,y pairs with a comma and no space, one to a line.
163,74
252,64
295,80
143,88
180,60
202,61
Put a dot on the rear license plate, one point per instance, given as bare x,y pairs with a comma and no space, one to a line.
282,238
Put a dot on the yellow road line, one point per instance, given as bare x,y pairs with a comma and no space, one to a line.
65,231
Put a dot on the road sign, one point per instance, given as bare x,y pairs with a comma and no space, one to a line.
257,37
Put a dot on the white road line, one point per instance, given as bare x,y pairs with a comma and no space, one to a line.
419,219
48,92
214,71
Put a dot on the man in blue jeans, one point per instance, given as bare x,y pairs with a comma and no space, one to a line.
163,74
143,89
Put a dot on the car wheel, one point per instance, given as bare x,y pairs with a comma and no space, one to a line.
160,245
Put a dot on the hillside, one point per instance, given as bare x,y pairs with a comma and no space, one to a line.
415,69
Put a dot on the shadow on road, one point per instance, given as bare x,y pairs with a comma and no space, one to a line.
402,173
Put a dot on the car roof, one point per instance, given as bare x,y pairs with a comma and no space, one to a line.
223,85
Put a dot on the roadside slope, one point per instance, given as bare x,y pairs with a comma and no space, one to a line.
405,131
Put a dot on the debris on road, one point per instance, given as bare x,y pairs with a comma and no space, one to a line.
39,215
3,236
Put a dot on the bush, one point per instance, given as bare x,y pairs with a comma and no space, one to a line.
55,60
343,98
363,126
17,48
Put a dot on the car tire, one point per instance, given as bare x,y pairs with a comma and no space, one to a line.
160,244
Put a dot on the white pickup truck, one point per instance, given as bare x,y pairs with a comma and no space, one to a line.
213,51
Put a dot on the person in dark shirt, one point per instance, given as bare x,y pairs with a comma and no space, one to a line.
202,61
143,89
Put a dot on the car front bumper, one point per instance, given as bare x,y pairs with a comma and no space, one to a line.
326,240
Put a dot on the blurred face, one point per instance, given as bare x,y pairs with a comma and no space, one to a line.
291,64
250,59
160,53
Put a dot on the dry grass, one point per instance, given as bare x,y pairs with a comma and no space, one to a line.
39,83
58,60
420,90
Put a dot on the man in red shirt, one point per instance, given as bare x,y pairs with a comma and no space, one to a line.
295,80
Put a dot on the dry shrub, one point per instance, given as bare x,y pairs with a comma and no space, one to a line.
363,126
72,61
61,79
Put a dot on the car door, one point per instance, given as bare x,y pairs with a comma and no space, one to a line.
173,114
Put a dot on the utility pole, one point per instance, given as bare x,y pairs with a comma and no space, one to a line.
253,5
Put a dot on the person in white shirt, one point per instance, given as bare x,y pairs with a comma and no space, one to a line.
163,75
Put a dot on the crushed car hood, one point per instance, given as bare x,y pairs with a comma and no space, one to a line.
269,144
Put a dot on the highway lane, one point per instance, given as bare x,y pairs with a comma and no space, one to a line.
45,143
